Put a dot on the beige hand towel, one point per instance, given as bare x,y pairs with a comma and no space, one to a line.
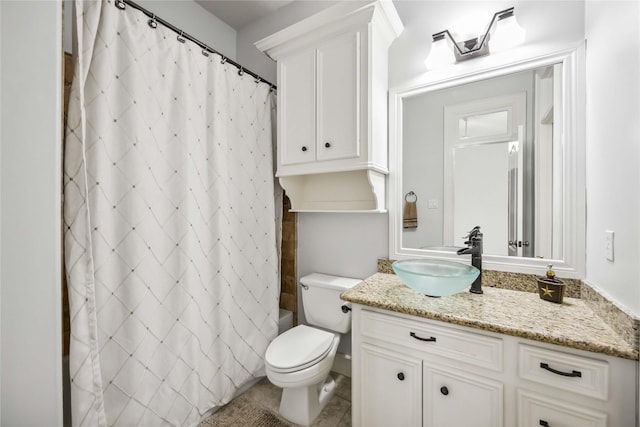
410,215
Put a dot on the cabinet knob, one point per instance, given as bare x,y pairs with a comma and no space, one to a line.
400,376
444,390
304,148
327,144
544,423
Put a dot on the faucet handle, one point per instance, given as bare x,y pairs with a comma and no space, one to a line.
473,232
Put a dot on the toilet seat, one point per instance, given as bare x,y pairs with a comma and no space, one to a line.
298,348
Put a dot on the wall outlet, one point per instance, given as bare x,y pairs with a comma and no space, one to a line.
608,244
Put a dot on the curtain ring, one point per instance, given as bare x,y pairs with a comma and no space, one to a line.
271,88
223,60
258,80
205,51
152,22
180,38
409,195
241,72
120,4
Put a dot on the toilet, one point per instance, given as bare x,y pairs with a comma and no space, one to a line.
299,360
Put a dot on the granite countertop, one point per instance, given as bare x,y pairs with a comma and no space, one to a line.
521,314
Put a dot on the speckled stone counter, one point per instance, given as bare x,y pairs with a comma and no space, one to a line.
521,314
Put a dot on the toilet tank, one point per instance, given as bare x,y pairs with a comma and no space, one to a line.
321,301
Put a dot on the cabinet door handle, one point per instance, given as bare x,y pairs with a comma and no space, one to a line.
543,423
430,339
304,148
327,144
401,376
564,374
444,390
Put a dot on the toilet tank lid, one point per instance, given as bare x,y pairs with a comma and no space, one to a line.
328,281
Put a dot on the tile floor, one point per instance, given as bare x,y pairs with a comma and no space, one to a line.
337,413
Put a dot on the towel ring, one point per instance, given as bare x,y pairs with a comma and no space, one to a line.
409,195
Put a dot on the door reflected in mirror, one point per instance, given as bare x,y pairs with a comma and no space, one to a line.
487,153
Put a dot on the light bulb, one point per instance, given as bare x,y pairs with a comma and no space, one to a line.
507,34
440,55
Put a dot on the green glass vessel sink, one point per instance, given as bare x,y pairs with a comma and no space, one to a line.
435,278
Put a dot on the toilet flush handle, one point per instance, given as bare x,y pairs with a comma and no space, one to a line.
346,308
305,287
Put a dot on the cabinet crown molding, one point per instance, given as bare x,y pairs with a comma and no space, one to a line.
333,20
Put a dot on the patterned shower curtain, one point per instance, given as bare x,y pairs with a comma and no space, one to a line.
171,224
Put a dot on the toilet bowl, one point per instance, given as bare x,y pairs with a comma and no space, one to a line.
301,356
301,371
299,360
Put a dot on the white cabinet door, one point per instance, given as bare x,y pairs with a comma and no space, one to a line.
339,98
297,109
455,399
391,385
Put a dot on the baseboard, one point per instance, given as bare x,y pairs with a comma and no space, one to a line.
342,364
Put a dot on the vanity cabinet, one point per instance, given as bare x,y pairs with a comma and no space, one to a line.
332,106
410,371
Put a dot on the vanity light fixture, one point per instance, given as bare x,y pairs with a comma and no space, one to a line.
507,33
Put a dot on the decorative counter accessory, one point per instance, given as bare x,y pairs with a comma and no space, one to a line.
549,287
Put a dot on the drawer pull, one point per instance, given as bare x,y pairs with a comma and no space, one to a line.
400,376
564,374
327,145
430,339
444,390
304,148
543,423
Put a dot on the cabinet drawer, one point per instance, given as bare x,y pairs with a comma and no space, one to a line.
577,374
426,336
535,410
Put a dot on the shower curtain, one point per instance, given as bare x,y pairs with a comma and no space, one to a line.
171,224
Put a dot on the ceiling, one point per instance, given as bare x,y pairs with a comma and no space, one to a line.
238,13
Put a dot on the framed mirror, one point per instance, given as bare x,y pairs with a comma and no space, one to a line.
502,149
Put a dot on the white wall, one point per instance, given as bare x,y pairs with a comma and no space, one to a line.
613,147
257,61
196,21
31,43
613,108
547,24
184,14
30,196
341,244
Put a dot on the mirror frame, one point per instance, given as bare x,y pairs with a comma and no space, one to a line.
573,168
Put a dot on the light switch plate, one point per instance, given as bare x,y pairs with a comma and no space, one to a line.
608,244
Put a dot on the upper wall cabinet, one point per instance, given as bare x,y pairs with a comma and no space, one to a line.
320,105
332,106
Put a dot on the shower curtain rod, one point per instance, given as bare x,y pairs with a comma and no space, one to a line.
153,23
